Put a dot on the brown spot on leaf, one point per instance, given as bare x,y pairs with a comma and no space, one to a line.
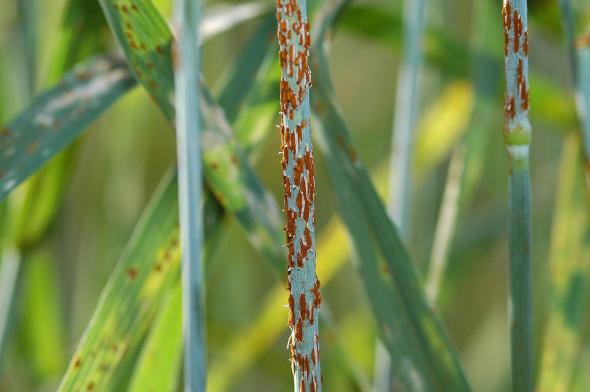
132,273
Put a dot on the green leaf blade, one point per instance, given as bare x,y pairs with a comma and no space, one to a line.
57,117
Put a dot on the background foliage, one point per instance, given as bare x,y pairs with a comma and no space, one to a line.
71,224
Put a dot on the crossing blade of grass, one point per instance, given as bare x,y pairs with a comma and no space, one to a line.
422,356
187,17
517,138
570,274
57,117
147,41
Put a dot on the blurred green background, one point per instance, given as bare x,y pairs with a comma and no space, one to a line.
115,166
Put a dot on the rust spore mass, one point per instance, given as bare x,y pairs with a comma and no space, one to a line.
510,108
132,273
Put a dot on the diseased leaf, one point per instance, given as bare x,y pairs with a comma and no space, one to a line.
58,116
131,297
570,274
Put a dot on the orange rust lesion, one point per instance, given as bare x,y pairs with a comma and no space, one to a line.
302,307
510,108
317,297
518,30
291,311
299,331
132,273
525,46
5,132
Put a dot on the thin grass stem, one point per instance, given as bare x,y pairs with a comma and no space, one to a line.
445,227
402,143
190,190
517,137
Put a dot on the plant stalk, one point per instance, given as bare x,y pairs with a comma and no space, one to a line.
517,137
299,194
190,190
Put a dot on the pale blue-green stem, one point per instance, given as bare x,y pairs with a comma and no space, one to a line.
517,137
299,194
187,16
402,144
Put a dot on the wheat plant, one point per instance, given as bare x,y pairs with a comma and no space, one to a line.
143,246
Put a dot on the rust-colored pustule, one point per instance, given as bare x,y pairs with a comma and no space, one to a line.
510,108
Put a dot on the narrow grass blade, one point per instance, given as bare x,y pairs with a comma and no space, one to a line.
517,136
402,145
187,17
570,274
146,40
406,108
159,363
57,117
445,225
421,353
240,81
